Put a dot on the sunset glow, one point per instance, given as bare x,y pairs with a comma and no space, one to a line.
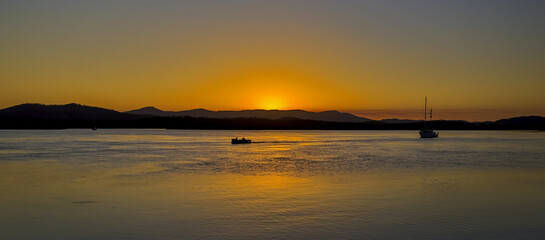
272,119
353,56
272,102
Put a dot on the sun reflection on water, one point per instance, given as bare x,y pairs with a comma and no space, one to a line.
306,184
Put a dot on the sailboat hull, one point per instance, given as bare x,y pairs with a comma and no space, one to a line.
428,134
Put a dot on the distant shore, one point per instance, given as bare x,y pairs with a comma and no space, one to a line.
39,116
521,123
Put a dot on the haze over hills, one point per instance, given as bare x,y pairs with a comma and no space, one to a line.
331,116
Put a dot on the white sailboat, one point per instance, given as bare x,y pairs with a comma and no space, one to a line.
427,131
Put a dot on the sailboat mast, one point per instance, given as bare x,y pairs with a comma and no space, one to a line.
431,116
425,110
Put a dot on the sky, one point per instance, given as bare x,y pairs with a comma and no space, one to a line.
475,60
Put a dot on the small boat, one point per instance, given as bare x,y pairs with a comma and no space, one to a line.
240,141
427,131
94,128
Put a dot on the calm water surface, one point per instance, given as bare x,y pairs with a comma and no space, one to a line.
178,184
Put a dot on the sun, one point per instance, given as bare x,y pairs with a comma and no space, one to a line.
272,102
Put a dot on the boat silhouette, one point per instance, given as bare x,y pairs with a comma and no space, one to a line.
427,131
240,141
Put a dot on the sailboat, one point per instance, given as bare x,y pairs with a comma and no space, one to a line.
427,131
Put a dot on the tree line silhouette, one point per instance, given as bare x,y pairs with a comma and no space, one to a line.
528,123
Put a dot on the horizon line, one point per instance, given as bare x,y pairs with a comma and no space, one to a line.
398,114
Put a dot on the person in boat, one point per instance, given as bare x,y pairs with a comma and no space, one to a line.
243,139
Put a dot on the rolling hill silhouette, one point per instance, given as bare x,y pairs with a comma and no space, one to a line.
40,116
67,111
330,116
536,122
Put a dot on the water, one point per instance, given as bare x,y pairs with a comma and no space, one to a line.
185,184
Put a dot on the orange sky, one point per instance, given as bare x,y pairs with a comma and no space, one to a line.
475,61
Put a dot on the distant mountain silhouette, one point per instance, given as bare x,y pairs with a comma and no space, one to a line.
331,116
524,122
39,116
67,111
